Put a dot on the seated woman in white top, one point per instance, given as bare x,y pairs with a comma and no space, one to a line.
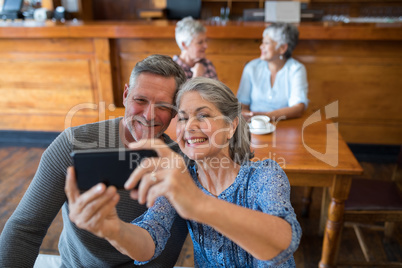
275,84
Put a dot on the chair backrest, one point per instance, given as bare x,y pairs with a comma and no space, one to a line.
373,200
368,194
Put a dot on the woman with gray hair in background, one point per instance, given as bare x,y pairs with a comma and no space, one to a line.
275,84
192,41
238,212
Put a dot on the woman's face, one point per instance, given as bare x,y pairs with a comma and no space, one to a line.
202,130
268,49
198,46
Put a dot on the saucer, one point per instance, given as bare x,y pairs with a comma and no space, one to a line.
261,131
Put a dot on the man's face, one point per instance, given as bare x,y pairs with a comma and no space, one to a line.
149,106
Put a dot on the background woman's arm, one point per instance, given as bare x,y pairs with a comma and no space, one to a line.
294,111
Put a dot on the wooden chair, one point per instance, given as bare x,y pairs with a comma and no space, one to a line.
372,201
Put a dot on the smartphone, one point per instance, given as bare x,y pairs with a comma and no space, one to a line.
109,166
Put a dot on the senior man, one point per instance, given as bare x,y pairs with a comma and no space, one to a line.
148,100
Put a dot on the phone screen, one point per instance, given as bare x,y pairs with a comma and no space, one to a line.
109,166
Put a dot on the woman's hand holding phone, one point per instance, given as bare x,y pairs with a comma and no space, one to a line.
166,176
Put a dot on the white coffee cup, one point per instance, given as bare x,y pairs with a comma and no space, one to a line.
259,121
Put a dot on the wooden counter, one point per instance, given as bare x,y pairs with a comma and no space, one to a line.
165,29
55,75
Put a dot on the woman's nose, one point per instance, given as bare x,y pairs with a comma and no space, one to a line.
191,125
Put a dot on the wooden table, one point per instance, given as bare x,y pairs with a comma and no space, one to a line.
312,154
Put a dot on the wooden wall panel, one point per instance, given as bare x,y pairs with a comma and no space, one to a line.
102,72
149,46
365,78
365,91
57,84
230,69
234,46
47,45
230,57
50,84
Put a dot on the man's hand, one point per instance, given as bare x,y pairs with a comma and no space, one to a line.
93,210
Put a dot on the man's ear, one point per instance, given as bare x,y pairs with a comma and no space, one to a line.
233,127
125,94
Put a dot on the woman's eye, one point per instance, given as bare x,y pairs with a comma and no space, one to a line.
202,116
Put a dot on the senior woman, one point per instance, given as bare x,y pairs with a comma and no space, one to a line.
192,41
275,84
238,212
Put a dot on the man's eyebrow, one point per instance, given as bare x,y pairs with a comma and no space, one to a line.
158,103
164,103
139,96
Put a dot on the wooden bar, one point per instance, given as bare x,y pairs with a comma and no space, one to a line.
57,74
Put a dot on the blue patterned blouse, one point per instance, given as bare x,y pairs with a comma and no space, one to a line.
261,186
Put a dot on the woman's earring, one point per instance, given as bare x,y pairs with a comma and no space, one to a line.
281,57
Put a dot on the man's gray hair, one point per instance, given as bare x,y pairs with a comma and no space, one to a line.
283,33
159,65
223,98
186,30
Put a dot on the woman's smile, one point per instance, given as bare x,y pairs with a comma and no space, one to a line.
196,141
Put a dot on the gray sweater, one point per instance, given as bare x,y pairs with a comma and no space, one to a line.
24,231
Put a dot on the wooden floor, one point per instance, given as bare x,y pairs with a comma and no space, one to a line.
18,165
